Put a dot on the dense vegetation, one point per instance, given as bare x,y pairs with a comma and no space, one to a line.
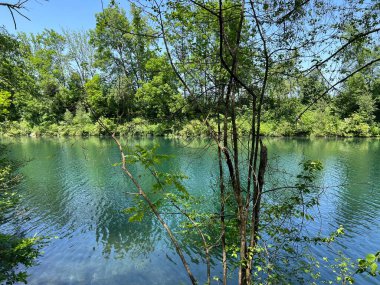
16,251
227,69
61,83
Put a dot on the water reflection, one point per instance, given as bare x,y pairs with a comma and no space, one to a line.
72,191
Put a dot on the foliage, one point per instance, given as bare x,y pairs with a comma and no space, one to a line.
277,256
5,102
226,70
16,252
8,180
48,76
369,264
95,96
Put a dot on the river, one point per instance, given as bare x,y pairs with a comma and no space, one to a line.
73,195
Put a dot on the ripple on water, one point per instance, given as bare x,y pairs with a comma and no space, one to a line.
78,196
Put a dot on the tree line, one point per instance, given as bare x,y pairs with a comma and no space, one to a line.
250,68
228,69
63,82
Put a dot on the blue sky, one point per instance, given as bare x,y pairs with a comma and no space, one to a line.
53,14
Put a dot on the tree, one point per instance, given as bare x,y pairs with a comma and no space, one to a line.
45,62
358,94
95,96
254,44
356,98
122,54
158,98
119,50
15,79
81,54
5,103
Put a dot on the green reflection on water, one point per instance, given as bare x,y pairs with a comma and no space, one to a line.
72,191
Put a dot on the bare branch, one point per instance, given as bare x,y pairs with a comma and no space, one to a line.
335,84
291,12
15,7
342,48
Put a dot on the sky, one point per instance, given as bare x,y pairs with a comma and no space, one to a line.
53,14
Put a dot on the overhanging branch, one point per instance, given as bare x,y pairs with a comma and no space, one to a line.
335,84
16,7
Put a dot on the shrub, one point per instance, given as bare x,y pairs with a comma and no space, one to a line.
194,128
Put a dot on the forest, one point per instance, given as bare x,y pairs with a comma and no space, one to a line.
219,77
60,83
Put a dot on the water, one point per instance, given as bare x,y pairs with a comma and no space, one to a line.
73,194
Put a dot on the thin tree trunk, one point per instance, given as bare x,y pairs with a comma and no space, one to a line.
257,196
156,213
222,207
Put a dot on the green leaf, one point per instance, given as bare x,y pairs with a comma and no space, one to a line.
373,268
136,217
370,258
361,262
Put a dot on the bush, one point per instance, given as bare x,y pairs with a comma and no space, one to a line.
285,128
105,127
194,128
141,127
313,123
375,130
82,117
267,129
354,125
68,117
22,128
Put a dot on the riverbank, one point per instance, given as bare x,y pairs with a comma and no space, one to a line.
327,127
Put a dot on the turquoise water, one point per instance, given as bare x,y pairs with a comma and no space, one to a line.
72,192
